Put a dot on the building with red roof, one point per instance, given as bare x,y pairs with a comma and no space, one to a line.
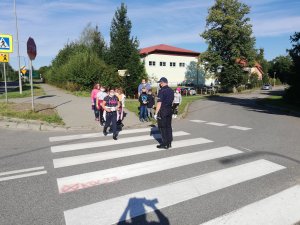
168,61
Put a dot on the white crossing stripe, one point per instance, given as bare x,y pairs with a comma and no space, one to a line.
99,134
96,157
240,128
86,180
21,171
198,121
278,209
73,147
216,124
23,175
168,195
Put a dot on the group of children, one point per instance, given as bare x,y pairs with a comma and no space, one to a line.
108,106
98,95
147,102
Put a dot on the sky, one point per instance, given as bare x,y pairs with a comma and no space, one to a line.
54,23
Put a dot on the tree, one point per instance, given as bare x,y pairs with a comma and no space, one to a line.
280,67
293,93
123,51
229,38
92,38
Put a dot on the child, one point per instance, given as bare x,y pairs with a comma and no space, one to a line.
150,105
120,115
100,97
111,105
94,99
176,102
143,99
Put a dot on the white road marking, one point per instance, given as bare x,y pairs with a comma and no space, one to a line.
240,128
198,121
167,195
278,209
216,124
23,175
73,147
99,134
96,157
21,171
84,180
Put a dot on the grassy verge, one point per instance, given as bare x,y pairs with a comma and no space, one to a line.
43,112
26,92
81,93
132,105
278,101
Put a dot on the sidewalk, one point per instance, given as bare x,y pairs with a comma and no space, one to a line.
75,111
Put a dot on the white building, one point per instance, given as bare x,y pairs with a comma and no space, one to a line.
168,61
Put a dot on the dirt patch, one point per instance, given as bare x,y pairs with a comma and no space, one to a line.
43,109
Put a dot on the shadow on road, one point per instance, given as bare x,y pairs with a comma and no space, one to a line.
249,155
251,104
45,96
137,212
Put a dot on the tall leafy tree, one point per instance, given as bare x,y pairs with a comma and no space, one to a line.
280,67
260,58
293,93
229,37
93,39
123,50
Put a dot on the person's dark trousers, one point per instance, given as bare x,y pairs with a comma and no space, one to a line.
175,108
101,115
111,120
165,127
144,112
96,111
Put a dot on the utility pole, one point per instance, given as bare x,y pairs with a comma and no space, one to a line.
18,51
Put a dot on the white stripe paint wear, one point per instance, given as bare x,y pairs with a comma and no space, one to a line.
21,171
216,124
86,180
167,195
94,135
22,175
239,128
97,157
278,209
79,146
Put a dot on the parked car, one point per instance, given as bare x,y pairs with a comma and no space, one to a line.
188,91
267,87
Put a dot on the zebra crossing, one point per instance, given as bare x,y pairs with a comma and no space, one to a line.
168,194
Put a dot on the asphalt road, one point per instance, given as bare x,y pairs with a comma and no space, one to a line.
228,154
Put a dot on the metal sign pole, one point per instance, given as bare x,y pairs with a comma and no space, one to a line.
31,84
4,71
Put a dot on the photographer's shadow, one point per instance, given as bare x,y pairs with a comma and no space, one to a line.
137,213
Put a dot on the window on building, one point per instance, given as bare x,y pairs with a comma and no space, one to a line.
181,64
172,64
162,63
151,63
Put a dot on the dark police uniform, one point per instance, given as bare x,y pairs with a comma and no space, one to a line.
164,116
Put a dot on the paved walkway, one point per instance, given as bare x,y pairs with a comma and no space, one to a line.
75,111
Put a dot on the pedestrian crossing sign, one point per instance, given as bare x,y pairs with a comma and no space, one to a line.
4,57
6,43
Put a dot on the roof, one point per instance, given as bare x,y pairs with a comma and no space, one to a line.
167,49
244,63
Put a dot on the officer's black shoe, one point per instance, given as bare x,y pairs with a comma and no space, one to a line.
162,146
115,137
169,145
105,131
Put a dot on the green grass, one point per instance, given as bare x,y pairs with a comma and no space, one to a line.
26,92
81,93
6,109
132,105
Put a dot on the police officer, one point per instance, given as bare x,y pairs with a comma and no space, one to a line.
163,113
